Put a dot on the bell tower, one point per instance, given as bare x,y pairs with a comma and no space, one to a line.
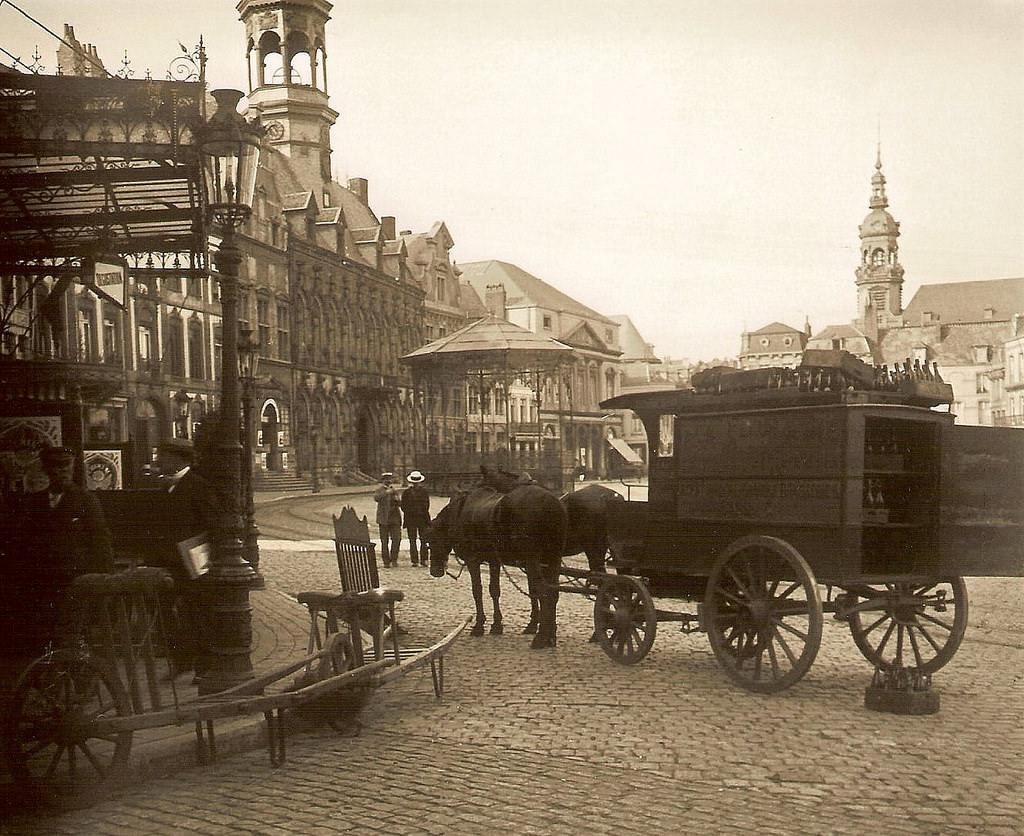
880,274
287,62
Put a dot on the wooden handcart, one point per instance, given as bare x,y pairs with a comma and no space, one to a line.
68,725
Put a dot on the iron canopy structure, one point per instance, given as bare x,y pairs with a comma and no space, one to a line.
94,167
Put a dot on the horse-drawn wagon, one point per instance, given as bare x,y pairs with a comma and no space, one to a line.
760,494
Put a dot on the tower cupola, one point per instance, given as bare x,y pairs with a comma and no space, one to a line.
287,62
879,274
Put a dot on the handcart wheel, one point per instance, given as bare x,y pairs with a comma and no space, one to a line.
910,624
339,706
48,742
762,612
624,619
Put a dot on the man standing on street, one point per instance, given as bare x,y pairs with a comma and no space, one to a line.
416,507
64,534
389,519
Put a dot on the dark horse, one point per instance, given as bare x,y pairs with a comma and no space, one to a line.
524,526
587,510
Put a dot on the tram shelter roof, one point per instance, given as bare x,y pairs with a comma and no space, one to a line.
94,167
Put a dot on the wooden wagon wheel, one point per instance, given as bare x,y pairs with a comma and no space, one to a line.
910,625
625,621
762,612
48,741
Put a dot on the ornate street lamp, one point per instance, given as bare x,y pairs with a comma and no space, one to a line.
248,368
229,148
182,400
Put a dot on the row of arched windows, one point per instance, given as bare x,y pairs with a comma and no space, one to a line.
294,61
332,336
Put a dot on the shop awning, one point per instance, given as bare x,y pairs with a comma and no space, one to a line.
624,450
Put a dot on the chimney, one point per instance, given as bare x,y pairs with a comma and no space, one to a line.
360,187
387,227
495,300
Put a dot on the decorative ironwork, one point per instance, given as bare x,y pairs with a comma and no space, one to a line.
126,71
190,65
36,66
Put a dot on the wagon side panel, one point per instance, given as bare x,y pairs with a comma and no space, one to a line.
771,472
981,528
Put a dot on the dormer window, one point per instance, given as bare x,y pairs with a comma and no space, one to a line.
327,199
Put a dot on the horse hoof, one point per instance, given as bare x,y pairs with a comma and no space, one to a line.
541,642
497,629
529,629
477,630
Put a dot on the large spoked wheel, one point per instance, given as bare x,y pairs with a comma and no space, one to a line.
910,625
762,612
624,619
49,743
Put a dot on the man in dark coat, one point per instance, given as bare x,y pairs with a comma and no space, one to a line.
416,508
193,509
63,534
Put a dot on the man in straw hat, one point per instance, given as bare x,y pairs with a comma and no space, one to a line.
416,507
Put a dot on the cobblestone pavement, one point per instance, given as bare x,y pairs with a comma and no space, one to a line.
566,741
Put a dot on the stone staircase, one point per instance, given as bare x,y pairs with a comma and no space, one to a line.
284,481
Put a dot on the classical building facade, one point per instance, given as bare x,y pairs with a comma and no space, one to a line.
773,345
1012,412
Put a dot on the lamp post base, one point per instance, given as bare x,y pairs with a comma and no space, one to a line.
227,659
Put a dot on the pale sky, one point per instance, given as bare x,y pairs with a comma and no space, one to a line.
701,167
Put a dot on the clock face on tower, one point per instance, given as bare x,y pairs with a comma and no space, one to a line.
275,130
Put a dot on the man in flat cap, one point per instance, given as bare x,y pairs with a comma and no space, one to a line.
64,535
389,518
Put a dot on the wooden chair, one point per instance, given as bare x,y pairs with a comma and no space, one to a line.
363,604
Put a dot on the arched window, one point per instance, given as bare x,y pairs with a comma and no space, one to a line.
271,60
301,63
196,354
175,355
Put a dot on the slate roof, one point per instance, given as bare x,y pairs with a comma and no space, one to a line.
967,301
776,328
470,301
524,289
635,347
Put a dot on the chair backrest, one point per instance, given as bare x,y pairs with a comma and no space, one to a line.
357,555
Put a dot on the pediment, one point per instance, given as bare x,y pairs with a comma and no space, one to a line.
585,337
